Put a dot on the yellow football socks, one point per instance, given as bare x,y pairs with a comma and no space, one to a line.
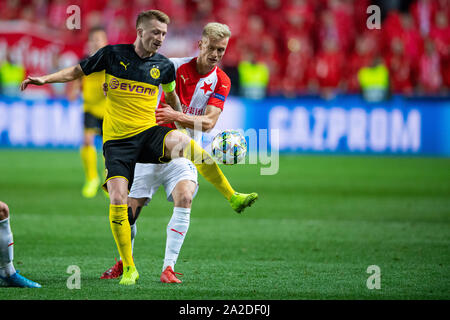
120,226
208,168
89,159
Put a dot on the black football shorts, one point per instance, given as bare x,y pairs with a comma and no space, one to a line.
121,155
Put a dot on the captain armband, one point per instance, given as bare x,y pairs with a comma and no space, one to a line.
168,87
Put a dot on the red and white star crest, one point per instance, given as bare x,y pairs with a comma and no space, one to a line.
206,87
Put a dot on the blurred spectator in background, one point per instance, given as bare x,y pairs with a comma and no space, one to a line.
365,48
253,32
423,12
12,74
300,15
412,40
342,13
253,77
440,34
57,13
400,67
374,80
117,22
179,11
273,57
10,9
360,14
40,10
298,66
204,11
27,14
291,37
429,78
329,69
391,29
297,53
328,30
272,13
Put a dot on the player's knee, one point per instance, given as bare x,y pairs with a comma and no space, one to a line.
175,144
116,197
4,211
183,199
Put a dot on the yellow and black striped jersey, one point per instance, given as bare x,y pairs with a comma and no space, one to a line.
133,88
94,100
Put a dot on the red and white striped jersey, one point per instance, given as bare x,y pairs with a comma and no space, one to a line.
197,91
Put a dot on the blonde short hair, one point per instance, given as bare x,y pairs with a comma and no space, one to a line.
152,14
217,31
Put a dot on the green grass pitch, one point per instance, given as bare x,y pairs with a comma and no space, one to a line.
317,227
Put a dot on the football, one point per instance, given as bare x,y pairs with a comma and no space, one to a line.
229,147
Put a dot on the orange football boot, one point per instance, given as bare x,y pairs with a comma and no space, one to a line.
168,276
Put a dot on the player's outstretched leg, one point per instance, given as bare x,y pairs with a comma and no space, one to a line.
240,201
8,274
134,208
178,144
210,170
120,227
117,269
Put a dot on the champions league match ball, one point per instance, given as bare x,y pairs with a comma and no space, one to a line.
229,147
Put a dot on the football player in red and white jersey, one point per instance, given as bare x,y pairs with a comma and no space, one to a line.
202,88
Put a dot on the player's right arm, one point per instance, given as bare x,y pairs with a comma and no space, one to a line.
95,63
213,109
64,75
207,121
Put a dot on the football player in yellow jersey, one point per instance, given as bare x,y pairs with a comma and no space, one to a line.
94,103
134,73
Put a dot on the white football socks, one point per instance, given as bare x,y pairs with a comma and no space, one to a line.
6,249
176,232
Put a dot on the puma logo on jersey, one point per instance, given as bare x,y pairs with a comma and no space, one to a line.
225,86
124,65
184,80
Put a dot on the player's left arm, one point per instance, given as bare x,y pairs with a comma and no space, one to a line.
174,101
168,85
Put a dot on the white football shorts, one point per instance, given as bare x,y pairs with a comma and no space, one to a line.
148,177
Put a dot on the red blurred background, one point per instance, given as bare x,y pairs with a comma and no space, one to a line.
308,46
